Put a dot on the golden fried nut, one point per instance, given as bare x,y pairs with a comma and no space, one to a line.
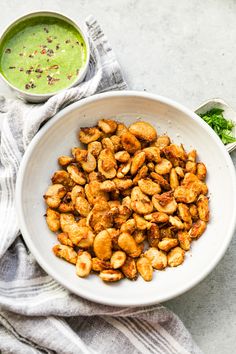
66,205
167,243
137,161
99,265
122,184
184,240
129,269
176,222
151,166
191,181
203,207
127,202
149,187
103,245
174,181
114,233
87,242
123,214
153,235
108,126
77,191
167,232
152,154
142,173
111,275
94,148
163,141
197,229
76,175
157,217
65,252
164,202
175,257
191,167
185,195
86,160
107,163
64,239
107,144
122,156
184,212
163,167
116,143
65,160
118,259
143,131
127,243
82,222
128,226
130,143
192,155
54,194
179,171
108,186
140,202
160,180
62,177
123,169
157,258
141,223
201,171
101,217
94,194
66,220
53,220
78,233
175,153
83,264
139,236
87,135
145,268
82,206
121,129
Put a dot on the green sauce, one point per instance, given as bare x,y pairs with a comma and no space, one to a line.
42,55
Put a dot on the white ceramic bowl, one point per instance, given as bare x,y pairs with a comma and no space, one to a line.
183,126
39,97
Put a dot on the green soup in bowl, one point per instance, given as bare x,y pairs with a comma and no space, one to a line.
43,53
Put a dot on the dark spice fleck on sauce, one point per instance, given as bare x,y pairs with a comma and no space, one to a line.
69,77
49,39
54,67
21,54
8,51
50,52
57,46
31,56
12,67
28,72
21,69
46,29
67,41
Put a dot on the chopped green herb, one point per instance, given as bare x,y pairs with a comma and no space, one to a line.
222,126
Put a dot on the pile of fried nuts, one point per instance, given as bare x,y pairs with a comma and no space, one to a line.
127,203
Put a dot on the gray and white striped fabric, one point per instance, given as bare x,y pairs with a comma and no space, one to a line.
37,315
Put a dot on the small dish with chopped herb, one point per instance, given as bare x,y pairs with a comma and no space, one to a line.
221,118
43,53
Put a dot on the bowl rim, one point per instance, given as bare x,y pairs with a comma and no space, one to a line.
55,14
23,225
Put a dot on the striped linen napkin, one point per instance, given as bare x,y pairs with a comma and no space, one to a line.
37,315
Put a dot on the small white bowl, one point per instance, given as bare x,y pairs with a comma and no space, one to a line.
60,134
229,113
36,97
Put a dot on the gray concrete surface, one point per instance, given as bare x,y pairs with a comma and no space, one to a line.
184,50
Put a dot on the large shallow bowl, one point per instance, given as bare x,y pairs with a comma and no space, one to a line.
183,126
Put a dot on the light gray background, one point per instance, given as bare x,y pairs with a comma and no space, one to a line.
185,50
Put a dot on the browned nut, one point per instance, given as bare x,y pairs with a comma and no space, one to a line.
129,269
65,252
139,236
53,220
103,245
201,171
153,235
77,191
82,222
145,268
107,144
203,207
140,202
107,163
142,173
176,222
123,214
184,240
101,217
76,175
165,202
64,239
157,217
130,143
86,160
116,142
191,167
127,243
62,177
192,155
121,129
163,167
175,257
185,195
118,259
137,161
197,229
174,181
122,156
167,243
152,154
108,186
151,166
127,202
66,205
87,135
111,275
149,187
184,212
82,206
128,226
98,264
83,264
157,258
54,195
108,126
163,141
194,212
94,193
94,148
122,184
87,242
179,171
65,160
175,153
141,223
78,233
143,131
160,180
66,220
